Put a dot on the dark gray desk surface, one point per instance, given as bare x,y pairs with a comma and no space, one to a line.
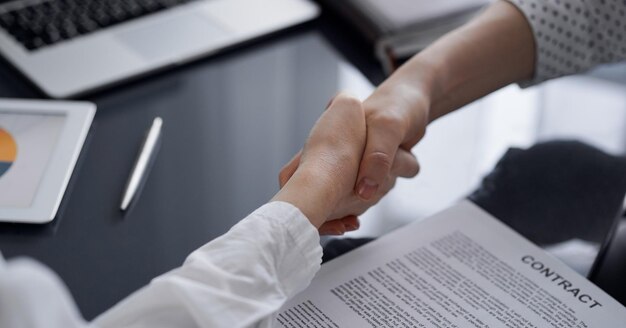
230,123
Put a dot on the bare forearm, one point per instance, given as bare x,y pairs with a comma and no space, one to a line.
494,50
497,48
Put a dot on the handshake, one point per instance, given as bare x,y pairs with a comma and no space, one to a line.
350,160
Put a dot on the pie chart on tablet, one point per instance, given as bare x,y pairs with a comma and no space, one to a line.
8,151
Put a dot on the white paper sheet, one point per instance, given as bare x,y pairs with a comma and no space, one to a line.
460,268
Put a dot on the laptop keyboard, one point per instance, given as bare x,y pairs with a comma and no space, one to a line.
45,23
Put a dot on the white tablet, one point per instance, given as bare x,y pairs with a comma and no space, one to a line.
40,141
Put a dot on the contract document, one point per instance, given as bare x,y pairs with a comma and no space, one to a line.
459,268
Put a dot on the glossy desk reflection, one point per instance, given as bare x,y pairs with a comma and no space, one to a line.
229,125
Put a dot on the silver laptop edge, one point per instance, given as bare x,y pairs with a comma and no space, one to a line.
166,38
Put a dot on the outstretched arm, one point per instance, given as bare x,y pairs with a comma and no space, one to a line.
524,41
237,280
495,49
492,51
241,278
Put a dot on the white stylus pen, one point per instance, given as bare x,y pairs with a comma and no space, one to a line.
139,170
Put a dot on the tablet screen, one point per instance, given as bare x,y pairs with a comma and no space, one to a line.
27,142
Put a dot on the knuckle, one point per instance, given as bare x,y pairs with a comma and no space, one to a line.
382,159
348,101
390,123
389,120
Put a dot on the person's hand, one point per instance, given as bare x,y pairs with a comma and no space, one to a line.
343,218
495,49
327,167
396,119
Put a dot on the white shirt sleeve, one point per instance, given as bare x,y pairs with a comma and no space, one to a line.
572,36
237,280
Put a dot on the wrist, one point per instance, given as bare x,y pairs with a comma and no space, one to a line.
406,98
311,194
426,78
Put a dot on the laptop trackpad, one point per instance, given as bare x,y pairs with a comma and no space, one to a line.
172,38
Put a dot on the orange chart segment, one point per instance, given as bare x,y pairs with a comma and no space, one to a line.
8,147
8,151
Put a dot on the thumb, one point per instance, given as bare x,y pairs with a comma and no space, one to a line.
382,144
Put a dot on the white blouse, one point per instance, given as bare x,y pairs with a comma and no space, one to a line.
237,280
575,35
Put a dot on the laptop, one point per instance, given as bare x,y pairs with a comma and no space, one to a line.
71,47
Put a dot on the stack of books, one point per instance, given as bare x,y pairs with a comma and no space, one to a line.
399,29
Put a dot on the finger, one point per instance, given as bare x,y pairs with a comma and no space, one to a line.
405,164
340,226
383,139
332,228
289,169
351,223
